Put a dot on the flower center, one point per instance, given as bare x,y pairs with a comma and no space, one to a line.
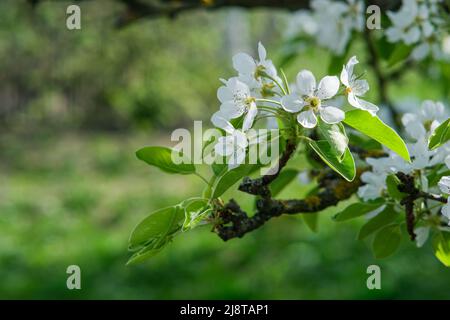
260,71
314,102
348,90
267,90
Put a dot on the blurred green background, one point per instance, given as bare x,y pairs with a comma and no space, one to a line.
75,105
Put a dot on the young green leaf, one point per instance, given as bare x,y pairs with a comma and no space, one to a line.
441,247
346,167
387,241
156,227
228,179
283,179
356,210
336,137
385,217
195,210
440,135
373,127
161,157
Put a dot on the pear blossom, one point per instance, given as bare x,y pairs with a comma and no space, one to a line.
236,100
302,21
355,87
336,21
444,185
256,74
425,120
375,184
309,98
418,23
233,146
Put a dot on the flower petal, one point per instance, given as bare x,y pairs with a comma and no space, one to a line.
347,71
446,211
328,87
261,52
307,119
230,111
306,82
224,146
224,94
250,117
345,77
368,106
360,87
220,121
243,63
331,115
444,184
412,35
292,103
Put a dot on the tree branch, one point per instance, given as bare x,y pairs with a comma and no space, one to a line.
407,186
235,223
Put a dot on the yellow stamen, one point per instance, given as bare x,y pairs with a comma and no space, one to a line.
348,90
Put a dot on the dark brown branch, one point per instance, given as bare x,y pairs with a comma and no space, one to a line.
138,9
260,186
407,186
235,223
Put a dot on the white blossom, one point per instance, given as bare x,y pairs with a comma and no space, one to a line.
425,120
336,21
418,23
233,146
256,74
329,22
236,100
375,184
309,100
354,87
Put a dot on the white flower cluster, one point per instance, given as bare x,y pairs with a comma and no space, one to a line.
258,90
330,22
419,126
418,23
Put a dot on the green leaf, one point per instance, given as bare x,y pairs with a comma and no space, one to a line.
154,232
356,210
195,210
228,179
373,127
311,220
283,179
441,247
400,53
161,157
387,241
336,137
440,135
345,167
392,182
385,217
